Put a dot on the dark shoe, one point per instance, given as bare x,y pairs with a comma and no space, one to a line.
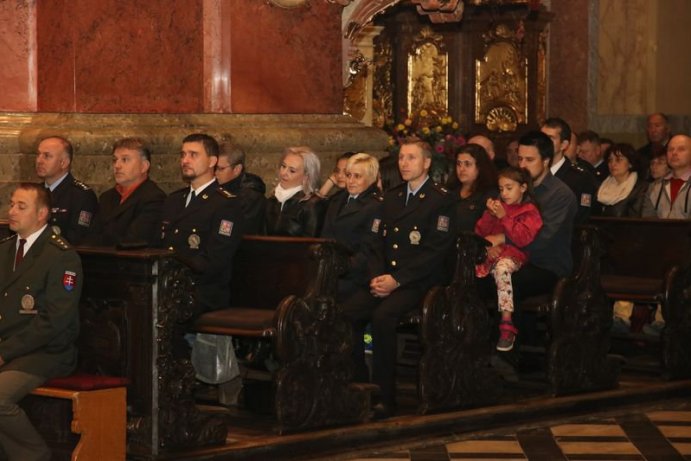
621,326
653,329
382,411
507,336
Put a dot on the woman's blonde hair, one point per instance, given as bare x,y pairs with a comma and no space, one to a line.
370,163
312,167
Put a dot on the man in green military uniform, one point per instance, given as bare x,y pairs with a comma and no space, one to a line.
40,285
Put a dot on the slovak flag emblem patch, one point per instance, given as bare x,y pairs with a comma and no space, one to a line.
69,280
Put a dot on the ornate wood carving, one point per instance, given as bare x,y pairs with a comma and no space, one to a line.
355,100
581,319
501,81
382,92
440,11
428,69
313,344
455,335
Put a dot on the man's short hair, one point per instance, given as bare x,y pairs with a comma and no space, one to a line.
209,143
135,144
42,194
659,114
232,152
423,145
564,128
541,141
588,135
66,145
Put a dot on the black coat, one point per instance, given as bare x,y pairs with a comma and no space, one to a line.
135,221
354,224
470,209
74,206
205,235
630,207
582,184
414,239
253,202
300,217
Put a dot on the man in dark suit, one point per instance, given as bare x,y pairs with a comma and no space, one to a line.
249,188
74,204
203,223
41,281
129,213
591,152
416,232
581,182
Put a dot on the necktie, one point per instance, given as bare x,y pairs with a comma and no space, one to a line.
351,199
19,257
407,199
190,197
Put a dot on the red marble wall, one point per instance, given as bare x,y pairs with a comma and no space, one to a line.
286,60
17,42
120,56
568,63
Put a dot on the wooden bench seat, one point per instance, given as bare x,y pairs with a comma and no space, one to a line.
283,291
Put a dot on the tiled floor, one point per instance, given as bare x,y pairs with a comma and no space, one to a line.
656,435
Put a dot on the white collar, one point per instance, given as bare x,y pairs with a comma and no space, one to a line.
555,166
56,183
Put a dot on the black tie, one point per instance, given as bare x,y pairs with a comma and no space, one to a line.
191,197
19,257
410,196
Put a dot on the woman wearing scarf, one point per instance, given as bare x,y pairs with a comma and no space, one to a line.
621,193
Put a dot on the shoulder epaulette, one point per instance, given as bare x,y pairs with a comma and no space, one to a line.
439,188
225,193
80,184
60,242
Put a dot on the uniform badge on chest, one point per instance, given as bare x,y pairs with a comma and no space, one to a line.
414,237
28,303
193,241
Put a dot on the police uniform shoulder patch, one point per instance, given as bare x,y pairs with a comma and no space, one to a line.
225,193
60,242
80,184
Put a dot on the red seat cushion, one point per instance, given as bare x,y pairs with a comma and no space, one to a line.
84,382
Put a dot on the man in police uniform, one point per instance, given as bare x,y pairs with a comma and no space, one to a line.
41,282
203,223
74,203
581,182
249,188
416,232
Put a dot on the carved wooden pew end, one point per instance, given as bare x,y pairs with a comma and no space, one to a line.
99,414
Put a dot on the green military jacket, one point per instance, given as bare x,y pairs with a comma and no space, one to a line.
39,306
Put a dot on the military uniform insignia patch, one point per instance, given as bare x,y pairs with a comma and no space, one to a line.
415,237
28,303
443,223
193,241
226,228
84,218
69,280
586,199
375,225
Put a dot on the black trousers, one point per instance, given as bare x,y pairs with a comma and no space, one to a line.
384,314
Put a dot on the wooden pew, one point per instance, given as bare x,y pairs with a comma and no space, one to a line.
649,261
283,291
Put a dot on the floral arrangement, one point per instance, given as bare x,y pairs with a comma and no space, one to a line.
441,131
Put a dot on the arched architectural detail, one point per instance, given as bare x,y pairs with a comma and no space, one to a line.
362,13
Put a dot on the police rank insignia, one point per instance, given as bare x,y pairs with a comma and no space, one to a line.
69,280
28,303
56,230
375,225
193,241
443,223
84,218
585,199
226,228
414,237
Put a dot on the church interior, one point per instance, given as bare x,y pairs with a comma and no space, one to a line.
355,76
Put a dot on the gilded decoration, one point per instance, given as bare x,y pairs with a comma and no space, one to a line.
440,11
428,81
355,92
542,77
382,92
501,82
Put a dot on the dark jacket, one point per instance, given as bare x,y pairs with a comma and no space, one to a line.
205,236
582,184
414,239
630,207
300,217
136,221
39,314
252,200
470,209
74,206
354,224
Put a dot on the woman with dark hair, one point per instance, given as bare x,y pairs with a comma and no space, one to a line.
621,193
475,182
389,174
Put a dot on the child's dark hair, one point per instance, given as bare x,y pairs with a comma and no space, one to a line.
521,176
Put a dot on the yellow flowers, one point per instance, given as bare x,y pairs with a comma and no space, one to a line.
439,130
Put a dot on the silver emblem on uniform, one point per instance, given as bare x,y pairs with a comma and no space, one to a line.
56,230
414,237
194,240
28,302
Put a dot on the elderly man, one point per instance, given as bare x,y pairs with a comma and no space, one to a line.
670,197
74,203
658,132
41,278
488,145
590,151
249,188
415,234
129,213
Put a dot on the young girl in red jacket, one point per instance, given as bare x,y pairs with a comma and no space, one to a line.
510,224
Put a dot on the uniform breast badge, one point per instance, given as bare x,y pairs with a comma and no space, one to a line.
226,228
193,241
414,237
28,303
